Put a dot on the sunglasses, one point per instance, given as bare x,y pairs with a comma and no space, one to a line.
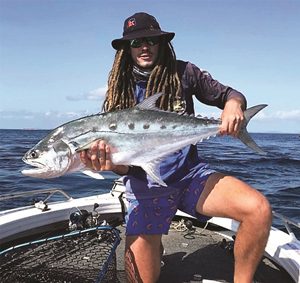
151,41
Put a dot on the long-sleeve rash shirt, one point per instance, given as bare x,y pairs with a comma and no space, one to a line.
195,83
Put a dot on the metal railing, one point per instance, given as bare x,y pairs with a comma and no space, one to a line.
287,223
50,193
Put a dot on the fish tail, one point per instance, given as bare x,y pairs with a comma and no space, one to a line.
244,135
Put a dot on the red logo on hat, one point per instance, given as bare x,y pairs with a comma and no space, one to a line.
131,23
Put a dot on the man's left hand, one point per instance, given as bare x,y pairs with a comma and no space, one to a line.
232,118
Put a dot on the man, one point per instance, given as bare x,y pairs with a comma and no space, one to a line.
145,64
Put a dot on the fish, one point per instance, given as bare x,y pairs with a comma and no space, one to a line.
139,136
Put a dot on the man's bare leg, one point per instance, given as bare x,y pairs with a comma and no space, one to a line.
142,258
226,196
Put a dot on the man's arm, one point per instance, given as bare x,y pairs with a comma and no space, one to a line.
211,92
208,90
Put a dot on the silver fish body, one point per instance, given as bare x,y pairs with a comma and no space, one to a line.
140,136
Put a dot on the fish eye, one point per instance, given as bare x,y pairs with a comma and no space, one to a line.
34,154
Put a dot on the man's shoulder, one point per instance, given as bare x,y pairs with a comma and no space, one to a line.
183,66
186,65
188,68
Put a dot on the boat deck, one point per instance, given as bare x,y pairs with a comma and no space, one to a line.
203,252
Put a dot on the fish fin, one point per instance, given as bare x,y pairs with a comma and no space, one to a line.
197,141
152,169
86,146
93,174
244,135
74,145
149,102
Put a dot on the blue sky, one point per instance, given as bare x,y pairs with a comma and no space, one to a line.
55,55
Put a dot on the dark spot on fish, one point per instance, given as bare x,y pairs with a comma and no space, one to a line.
94,129
174,127
113,126
131,126
163,127
146,126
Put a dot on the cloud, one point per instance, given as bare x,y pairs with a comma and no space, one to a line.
290,115
280,115
57,114
7,115
18,119
96,94
40,120
280,121
265,114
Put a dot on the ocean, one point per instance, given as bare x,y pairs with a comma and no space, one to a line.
276,175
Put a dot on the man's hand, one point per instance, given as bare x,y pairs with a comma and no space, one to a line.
232,118
98,158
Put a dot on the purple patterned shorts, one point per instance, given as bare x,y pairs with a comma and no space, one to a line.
152,214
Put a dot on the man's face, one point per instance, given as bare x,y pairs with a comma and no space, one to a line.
144,51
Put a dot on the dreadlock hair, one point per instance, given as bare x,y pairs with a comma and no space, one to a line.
163,78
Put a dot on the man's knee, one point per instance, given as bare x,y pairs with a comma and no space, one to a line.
260,211
265,211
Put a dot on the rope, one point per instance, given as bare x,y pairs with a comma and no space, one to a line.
182,226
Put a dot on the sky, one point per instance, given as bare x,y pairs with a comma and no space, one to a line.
55,55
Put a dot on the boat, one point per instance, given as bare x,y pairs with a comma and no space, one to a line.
59,238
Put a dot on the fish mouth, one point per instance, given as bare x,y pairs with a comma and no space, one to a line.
38,169
34,172
34,163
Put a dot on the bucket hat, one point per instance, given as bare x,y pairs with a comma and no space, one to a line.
140,25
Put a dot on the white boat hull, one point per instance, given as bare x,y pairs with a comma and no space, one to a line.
283,248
